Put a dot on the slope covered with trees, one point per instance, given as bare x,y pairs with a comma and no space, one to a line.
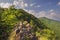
53,25
9,17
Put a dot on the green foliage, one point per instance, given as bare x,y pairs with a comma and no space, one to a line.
53,25
45,34
11,16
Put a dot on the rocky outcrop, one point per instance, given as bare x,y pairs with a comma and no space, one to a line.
23,31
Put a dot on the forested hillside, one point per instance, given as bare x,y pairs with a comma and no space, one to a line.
53,25
10,17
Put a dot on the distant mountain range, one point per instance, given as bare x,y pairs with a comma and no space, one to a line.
52,24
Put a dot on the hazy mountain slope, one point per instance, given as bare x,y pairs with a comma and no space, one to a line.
52,24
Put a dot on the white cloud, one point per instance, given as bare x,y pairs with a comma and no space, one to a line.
26,5
51,10
36,14
41,14
20,4
15,2
32,4
38,6
52,14
25,10
5,5
49,14
58,3
32,12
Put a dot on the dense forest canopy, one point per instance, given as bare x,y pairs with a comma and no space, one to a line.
9,17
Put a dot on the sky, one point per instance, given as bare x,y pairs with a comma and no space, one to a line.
38,8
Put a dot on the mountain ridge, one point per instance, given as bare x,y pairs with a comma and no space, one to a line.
11,17
49,19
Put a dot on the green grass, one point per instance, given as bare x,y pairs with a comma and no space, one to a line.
53,25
